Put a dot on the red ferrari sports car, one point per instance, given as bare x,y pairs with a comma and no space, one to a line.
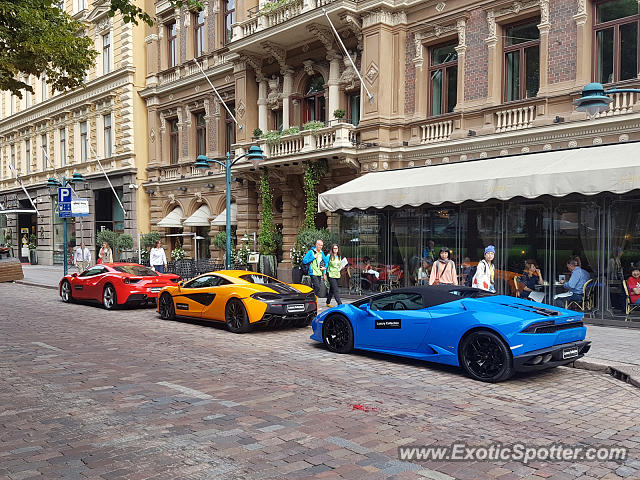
115,284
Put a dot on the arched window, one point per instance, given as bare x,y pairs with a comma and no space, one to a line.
313,102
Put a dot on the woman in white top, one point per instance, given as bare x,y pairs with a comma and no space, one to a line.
157,258
485,273
424,272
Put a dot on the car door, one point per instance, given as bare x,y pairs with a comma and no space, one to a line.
194,296
82,283
221,288
94,284
394,321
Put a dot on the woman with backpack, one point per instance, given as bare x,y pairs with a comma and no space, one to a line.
484,278
443,271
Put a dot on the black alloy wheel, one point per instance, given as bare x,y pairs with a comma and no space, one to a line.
236,316
486,357
337,334
109,298
165,307
65,292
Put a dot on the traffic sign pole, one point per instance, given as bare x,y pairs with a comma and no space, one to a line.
65,248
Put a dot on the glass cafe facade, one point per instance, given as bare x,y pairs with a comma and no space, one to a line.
603,230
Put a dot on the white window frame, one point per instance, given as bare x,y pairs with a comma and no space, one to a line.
106,53
107,143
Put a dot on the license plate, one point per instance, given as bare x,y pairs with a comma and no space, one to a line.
155,289
295,308
569,353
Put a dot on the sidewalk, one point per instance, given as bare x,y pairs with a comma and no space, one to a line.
612,349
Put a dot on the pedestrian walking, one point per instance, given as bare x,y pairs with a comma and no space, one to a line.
317,262
443,271
82,258
106,254
158,258
484,278
334,267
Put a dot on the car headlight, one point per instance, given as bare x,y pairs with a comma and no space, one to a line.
265,296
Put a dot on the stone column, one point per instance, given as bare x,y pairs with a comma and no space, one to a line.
461,49
334,87
421,87
262,104
583,42
287,87
544,27
494,76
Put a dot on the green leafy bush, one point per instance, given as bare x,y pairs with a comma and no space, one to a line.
291,131
339,113
267,239
307,238
313,126
272,137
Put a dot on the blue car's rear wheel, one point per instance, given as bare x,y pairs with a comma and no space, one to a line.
337,334
486,357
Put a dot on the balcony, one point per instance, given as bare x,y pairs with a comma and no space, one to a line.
438,131
622,103
517,117
306,143
190,69
267,18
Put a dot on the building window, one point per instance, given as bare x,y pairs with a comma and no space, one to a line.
82,4
353,107
106,120
230,128
27,156
229,19
106,53
201,134
63,146
521,60
45,152
83,141
443,79
43,87
172,45
199,33
616,40
276,119
313,103
27,96
174,141
13,104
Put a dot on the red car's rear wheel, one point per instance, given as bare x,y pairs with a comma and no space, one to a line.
109,298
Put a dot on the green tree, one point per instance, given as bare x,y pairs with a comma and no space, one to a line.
37,38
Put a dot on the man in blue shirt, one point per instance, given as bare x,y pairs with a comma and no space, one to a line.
575,284
316,262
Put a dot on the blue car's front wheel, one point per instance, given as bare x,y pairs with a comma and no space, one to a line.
486,357
337,334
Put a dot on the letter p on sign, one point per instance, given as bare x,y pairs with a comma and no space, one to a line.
64,195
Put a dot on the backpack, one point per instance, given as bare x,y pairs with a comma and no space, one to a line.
472,273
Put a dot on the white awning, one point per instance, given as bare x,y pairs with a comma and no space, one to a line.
222,218
592,170
200,218
174,219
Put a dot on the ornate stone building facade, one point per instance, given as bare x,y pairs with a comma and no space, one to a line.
58,134
451,81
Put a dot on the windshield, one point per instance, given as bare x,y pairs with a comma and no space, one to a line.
138,270
261,279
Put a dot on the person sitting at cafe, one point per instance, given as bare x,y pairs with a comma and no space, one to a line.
633,285
424,272
530,278
575,284
371,274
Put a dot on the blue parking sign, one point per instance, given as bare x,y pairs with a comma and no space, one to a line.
64,195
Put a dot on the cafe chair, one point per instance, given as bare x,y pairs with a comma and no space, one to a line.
588,301
516,289
629,305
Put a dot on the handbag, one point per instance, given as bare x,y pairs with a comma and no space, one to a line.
437,280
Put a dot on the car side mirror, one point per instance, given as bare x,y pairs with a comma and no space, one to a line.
181,283
366,307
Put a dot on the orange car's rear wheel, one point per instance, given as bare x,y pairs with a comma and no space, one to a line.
236,316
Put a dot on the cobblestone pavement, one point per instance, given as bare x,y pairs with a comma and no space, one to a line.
86,393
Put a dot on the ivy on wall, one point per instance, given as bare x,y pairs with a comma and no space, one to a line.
312,175
267,239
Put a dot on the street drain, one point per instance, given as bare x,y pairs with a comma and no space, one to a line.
630,375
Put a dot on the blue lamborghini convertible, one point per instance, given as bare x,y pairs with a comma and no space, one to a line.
490,336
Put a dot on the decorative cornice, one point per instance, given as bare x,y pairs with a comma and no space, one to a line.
255,63
323,34
384,16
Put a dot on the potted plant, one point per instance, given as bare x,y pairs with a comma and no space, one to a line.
240,257
339,113
257,133
291,131
313,126
178,254
147,242
297,254
33,249
124,244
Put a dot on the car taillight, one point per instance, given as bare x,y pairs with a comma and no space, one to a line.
265,296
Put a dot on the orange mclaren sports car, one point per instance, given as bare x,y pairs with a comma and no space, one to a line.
240,299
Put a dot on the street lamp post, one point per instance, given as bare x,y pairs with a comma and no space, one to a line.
254,154
53,184
595,99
